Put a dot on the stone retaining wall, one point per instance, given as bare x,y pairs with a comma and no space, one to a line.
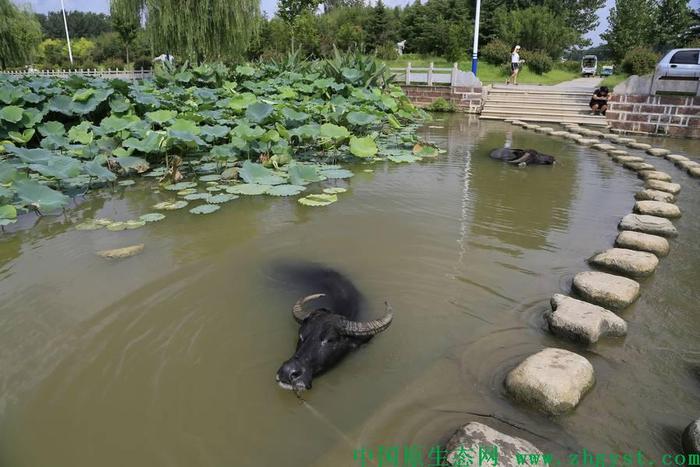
466,98
665,115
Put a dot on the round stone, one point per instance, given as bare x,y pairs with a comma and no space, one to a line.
688,165
627,158
673,188
637,166
648,224
552,380
619,152
658,152
654,195
655,175
603,146
636,145
581,321
690,439
607,290
544,129
643,242
629,262
676,158
694,172
657,208
587,141
507,448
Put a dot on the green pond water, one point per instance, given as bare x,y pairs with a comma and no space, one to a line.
168,358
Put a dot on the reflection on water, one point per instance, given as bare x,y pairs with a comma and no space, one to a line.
168,358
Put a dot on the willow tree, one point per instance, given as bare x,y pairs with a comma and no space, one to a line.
20,34
197,30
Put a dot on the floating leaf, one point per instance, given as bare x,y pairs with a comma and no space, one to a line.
40,196
403,158
285,190
89,225
130,163
196,196
256,173
170,205
210,178
180,186
425,151
152,217
221,198
23,137
334,190
318,200
337,173
363,147
117,226
134,224
300,174
248,189
205,209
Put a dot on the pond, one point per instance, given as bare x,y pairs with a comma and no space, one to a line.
169,357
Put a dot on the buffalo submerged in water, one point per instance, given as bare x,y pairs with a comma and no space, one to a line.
522,157
329,329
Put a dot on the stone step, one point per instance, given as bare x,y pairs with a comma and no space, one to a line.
537,118
538,92
573,109
542,102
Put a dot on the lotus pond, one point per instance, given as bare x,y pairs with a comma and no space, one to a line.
169,357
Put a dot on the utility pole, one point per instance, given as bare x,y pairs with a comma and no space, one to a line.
65,24
475,55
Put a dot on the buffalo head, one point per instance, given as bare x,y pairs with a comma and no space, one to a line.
325,338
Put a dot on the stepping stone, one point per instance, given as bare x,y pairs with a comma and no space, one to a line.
687,165
636,145
477,434
606,290
638,166
544,129
552,380
694,172
658,152
648,224
629,262
119,253
627,158
642,242
603,146
690,439
517,122
675,158
559,133
673,188
655,175
620,139
657,208
587,141
619,152
654,195
533,126
581,321
573,136
682,164
594,133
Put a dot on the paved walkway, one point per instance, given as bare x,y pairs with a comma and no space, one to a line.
576,85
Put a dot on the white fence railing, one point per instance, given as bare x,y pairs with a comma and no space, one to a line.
108,73
431,76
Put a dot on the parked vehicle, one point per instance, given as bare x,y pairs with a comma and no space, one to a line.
607,70
681,64
589,65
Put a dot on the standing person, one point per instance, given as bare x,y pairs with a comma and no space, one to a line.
599,100
515,64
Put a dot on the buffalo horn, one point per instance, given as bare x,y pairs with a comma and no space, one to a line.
367,328
298,308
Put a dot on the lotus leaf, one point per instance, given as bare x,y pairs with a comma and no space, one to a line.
7,172
361,118
170,205
52,128
40,196
215,188
221,198
61,104
337,173
8,211
81,133
11,113
89,225
300,174
245,70
31,117
328,130
216,131
134,224
152,217
23,137
256,173
250,189
161,116
186,191
285,190
425,151
129,163
210,178
61,167
117,226
258,112
404,158
180,186
369,171
196,196
334,190
205,209
318,200
242,101
95,169
119,104
83,95
103,221
363,147
114,124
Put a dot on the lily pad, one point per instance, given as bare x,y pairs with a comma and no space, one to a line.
318,200
40,196
250,189
134,224
89,225
404,158
334,190
285,190
363,147
152,217
210,178
186,191
304,174
205,209
170,205
256,173
221,198
117,226
180,186
196,196
337,173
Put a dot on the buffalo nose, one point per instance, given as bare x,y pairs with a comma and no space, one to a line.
291,371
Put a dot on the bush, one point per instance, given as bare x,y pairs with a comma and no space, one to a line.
639,61
538,61
496,52
387,52
573,66
441,105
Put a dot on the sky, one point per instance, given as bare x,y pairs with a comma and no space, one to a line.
268,6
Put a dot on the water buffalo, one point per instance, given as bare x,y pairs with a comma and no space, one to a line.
521,157
328,331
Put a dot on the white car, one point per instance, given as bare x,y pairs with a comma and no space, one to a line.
679,64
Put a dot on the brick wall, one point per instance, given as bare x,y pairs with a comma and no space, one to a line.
465,98
666,115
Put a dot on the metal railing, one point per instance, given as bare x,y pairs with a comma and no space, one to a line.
431,76
94,72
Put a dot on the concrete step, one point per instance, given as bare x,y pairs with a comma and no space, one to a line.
553,120
532,108
526,111
530,91
526,99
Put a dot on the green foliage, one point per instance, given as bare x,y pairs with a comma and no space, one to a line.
387,52
496,52
536,28
441,105
289,10
630,25
20,34
672,21
573,66
80,24
639,61
538,61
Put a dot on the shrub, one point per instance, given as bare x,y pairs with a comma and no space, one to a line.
639,61
441,105
538,61
387,52
569,65
496,52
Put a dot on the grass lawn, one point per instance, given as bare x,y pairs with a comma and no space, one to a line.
486,72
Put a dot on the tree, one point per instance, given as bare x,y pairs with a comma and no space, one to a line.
536,28
672,20
630,26
127,24
80,24
20,35
199,30
289,10
377,32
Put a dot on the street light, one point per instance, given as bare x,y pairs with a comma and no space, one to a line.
65,24
475,58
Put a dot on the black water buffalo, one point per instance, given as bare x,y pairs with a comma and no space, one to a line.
521,157
330,330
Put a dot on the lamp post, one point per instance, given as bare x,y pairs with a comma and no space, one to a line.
65,24
475,58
